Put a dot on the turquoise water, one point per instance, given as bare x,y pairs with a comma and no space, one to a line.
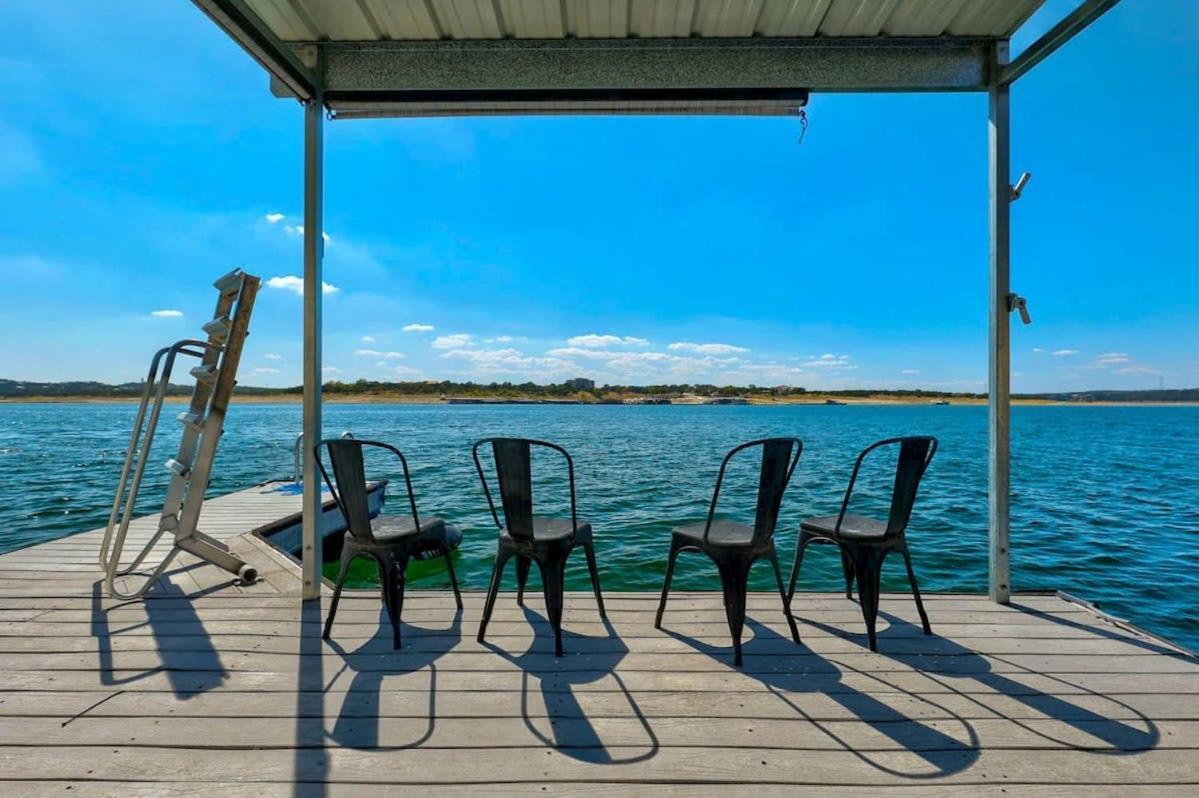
1105,500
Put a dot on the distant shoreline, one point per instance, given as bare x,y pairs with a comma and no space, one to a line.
811,399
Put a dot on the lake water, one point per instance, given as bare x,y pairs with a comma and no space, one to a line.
1105,500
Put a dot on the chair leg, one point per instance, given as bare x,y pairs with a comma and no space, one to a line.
868,567
674,553
449,566
800,545
553,572
392,596
907,561
734,577
589,550
501,557
522,576
346,559
847,568
778,577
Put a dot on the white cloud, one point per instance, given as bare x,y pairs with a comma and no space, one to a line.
265,370
366,339
1038,349
1112,359
1064,352
452,341
295,284
829,361
910,371
274,218
1138,370
331,370
421,328
504,339
406,371
706,349
377,353
167,314
509,361
272,356
596,341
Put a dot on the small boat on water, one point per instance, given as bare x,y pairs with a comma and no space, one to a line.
940,401
833,402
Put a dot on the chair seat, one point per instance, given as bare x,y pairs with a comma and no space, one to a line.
723,533
853,527
552,530
391,528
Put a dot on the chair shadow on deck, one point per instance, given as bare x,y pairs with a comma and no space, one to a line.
793,669
188,658
587,659
361,714
948,663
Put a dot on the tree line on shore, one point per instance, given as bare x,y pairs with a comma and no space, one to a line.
433,389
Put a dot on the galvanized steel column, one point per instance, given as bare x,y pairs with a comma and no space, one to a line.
999,347
314,250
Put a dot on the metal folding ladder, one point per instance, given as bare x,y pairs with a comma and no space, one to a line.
191,468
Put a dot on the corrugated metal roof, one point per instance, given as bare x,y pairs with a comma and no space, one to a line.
375,20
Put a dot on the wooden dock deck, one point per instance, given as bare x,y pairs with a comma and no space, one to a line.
212,688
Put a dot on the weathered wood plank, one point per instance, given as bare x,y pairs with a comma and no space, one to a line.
365,701
637,764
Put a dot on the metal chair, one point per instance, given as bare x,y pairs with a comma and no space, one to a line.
866,542
389,540
533,538
736,547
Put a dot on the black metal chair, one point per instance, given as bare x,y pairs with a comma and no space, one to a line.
389,540
533,538
736,547
866,542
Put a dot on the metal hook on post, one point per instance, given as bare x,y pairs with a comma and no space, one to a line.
1020,304
1018,189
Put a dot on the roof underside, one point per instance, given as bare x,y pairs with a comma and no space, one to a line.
444,57
430,20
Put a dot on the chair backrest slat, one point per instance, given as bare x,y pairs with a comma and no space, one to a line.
772,482
914,456
351,494
349,486
514,470
779,458
915,453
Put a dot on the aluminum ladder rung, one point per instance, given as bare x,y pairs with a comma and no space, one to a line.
218,328
229,283
193,421
204,373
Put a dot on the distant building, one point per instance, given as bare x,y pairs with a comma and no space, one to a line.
581,384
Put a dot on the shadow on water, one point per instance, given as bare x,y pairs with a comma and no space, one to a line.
807,672
188,657
571,731
947,663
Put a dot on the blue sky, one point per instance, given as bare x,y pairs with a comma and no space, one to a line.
141,156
